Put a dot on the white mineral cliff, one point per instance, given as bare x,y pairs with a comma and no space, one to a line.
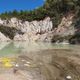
39,30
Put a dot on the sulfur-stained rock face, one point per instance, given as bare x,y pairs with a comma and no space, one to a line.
66,26
41,30
26,26
35,30
3,37
1,22
19,37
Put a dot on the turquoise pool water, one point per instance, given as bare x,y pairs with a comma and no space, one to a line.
16,48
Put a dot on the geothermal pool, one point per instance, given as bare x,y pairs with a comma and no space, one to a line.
39,61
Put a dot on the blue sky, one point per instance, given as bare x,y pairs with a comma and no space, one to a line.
9,5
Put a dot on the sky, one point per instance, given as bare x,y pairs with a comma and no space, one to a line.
10,5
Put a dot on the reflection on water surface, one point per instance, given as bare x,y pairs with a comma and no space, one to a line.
12,48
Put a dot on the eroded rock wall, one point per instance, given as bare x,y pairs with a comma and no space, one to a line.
40,30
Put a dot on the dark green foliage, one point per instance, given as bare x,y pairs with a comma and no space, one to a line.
9,31
60,38
75,39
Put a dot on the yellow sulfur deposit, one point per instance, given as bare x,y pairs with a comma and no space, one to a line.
6,62
7,65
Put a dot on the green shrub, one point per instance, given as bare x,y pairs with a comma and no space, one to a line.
9,31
